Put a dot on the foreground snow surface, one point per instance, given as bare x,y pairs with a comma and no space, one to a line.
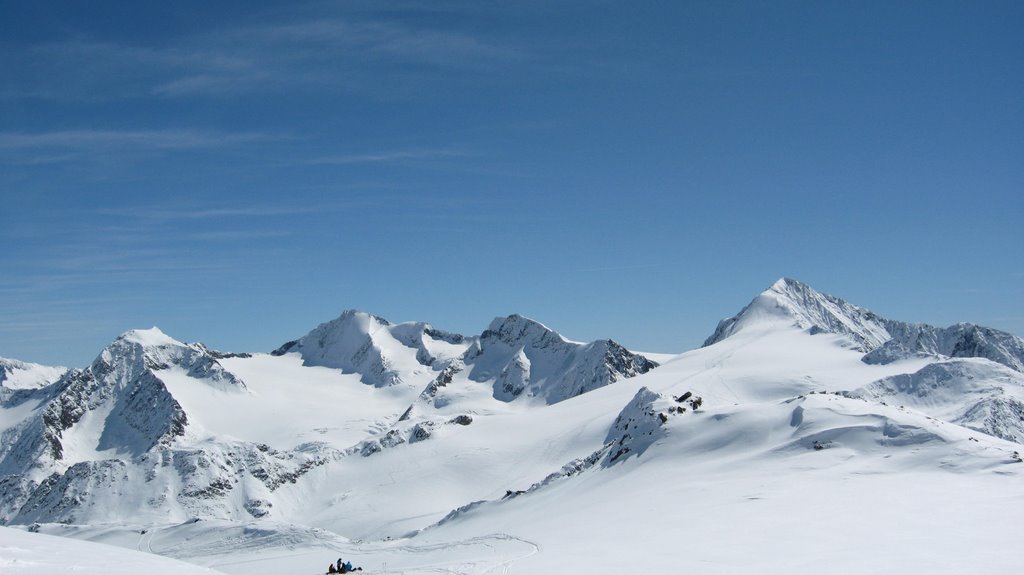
759,520
24,553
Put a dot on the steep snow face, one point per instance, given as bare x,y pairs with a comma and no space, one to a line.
795,303
382,353
976,393
525,358
883,340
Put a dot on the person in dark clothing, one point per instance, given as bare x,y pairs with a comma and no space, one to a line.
331,568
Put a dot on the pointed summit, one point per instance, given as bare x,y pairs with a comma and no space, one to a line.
796,303
793,303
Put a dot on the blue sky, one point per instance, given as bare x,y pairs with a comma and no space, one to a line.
238,172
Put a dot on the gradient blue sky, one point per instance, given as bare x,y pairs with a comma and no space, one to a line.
238,172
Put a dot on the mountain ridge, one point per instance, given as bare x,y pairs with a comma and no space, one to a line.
881,340
402,435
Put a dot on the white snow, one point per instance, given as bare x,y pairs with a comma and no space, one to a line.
151,337
24,553
801,457
287,404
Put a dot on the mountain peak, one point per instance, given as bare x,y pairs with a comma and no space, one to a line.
786,285
525,357
361,316
152,337
516,329
382,353
796,303
784,282
883,340
16,374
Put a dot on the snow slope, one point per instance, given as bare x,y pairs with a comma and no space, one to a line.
24,553
976,393
775,447
19,375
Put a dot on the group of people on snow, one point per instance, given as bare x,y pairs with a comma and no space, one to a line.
342,567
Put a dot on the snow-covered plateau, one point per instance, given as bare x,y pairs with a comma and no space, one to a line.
807,434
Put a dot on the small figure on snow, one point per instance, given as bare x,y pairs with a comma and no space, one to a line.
331,568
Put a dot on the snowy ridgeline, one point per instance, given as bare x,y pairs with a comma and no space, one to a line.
422,440
882,340
517,355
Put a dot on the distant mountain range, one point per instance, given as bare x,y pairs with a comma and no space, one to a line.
372,429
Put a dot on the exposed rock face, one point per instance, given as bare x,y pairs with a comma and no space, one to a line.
229,480
516,355
960,340
524,357
882,340
638,425
118,408
111,439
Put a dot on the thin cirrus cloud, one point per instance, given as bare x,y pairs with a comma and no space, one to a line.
68,146
392,156
165,213
200,212
166,139
340,53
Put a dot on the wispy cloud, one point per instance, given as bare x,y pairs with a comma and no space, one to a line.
238,235
207,212
622,268
350,52
394,156
165,139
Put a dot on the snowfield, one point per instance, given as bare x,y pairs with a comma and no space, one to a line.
24,553
783,444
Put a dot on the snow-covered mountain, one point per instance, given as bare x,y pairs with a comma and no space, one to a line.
427,451
789,301
525,358
976,393
883,340
960,340
382,353
520,356
23,378
81,447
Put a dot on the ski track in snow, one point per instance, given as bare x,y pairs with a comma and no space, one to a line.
494,553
